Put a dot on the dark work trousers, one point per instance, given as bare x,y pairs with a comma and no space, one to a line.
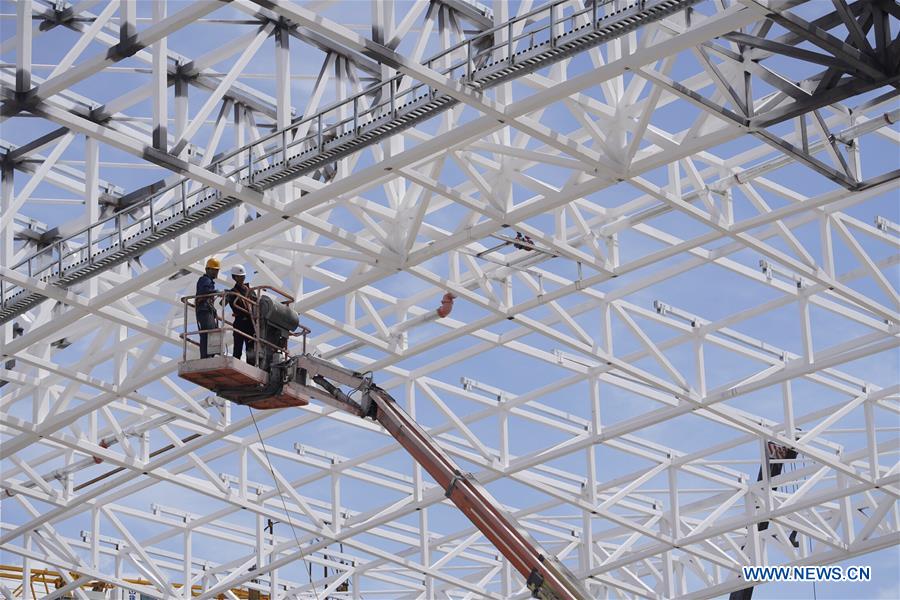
246,326
206,319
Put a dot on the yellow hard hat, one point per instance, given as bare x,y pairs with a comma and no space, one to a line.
213,263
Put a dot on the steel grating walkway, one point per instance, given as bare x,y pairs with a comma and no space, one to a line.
315,141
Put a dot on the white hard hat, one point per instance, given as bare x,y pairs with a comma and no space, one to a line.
238,270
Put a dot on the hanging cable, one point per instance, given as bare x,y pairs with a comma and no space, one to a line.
283,503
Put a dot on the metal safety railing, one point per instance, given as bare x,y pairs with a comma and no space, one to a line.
191,337
216,339
523,44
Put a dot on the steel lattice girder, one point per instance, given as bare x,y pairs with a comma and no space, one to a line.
629,166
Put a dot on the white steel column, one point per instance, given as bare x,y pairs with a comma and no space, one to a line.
128,20
92,191
283,95
160,82
7,174
23,46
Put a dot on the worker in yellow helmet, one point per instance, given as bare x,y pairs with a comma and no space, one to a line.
205,307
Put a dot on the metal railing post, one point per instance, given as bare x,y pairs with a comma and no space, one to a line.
319,134
59,258
249,165
90,243
184,197
593,14
553,25
430,90
222,324
393,97
509,43
355,114
284,147
469,61
152,225
119,228
184,333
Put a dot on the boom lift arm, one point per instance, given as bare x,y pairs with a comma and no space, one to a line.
544,574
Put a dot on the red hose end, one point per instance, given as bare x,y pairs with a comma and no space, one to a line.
102,444
446,305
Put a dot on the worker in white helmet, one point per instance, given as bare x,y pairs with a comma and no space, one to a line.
242,300
205,309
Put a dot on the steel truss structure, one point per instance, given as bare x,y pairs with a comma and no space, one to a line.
711,266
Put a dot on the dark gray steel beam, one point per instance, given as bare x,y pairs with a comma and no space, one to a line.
475,12
828,42
787,50
881,21
805,158
22,152
852,25
818,99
